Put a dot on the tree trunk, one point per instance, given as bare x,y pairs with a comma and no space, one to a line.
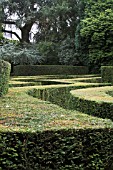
25,30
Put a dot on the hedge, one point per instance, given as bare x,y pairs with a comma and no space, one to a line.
4,77
32,70
68,100
94,101
107,74
89,149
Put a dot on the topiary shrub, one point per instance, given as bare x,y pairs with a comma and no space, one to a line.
4,77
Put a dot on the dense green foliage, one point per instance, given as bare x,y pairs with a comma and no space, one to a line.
97,31
17,54
63,150
50,52
32,70
107,74
4,77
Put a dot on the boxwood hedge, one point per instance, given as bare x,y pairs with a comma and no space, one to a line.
89,149
4,76
32,70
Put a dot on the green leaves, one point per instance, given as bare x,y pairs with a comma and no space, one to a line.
97,30
16,54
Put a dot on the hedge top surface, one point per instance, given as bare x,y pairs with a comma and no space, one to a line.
98,94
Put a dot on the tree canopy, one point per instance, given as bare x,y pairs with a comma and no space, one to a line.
23,14
71,32
97,31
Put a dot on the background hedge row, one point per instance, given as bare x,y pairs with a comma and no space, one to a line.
89,149
32,70
107,74
4,76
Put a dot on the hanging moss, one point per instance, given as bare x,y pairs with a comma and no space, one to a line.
4,76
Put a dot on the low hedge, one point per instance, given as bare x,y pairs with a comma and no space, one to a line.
90,149
64,98
4,76
107,74
94,101
32,70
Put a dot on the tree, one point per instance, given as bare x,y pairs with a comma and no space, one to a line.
0,23
57,25
58,19
16,55
97,31
22,14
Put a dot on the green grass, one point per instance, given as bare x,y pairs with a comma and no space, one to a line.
21,112
98,94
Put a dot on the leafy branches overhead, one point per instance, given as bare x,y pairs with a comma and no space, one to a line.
28,54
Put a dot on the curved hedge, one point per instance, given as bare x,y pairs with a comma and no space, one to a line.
4,76
94,101
32,70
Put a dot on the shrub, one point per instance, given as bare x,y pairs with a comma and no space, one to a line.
32,70
20,54
59,150
107,74
94,101
4,76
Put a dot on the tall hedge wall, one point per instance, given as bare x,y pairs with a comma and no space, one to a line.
107,74
32,70
4,76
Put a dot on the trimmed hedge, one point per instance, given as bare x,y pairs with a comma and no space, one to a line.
107,74
4,76
89,149
94,101
32,70
64,98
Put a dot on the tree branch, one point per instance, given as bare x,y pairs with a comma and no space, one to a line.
8,22
11,32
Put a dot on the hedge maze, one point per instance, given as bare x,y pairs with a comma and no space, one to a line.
57,122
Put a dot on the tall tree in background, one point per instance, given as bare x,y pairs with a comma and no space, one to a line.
58,19
97,32
22,14
57,25
0,22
